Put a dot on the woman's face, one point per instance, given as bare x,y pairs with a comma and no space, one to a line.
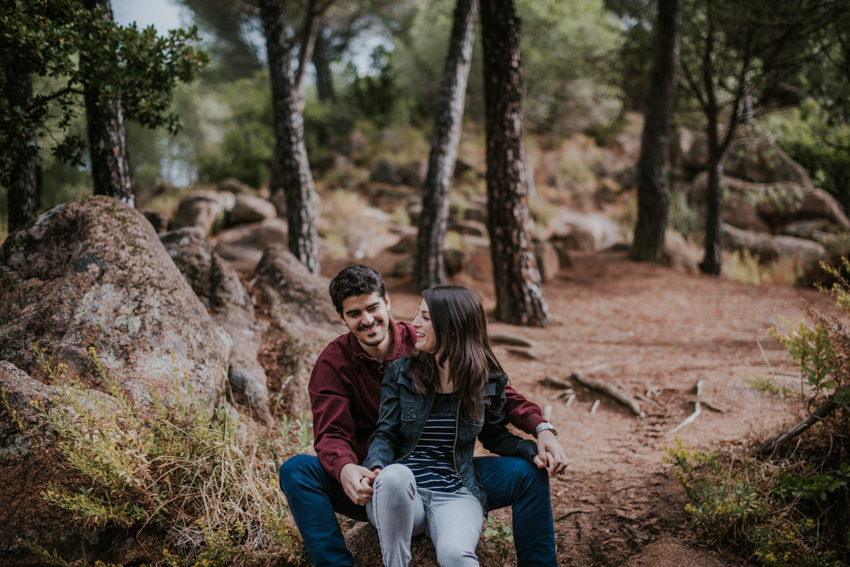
426,338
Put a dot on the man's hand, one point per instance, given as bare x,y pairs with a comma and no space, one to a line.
357,483
550,453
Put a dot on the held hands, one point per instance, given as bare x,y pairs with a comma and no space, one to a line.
357,483
550,454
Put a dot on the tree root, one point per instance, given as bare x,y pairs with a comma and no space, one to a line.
608,390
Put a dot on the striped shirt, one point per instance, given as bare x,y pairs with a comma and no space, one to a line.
432,461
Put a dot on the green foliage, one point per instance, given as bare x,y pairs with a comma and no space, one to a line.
246,146
500,538
190,469
762,383
569,50
817,141
53,39
811,349
812,487
4,403
755,509
681,217
746,267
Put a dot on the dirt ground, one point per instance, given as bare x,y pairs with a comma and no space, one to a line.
642,327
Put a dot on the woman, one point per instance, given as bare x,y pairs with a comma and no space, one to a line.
433,405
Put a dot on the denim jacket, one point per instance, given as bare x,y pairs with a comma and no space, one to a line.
403,415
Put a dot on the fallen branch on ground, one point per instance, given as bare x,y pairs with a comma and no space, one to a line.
651,402
509,339
711,406
551,382
690,419
609,390
772,444
528,354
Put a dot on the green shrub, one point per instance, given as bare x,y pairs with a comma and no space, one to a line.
189,469
763,512
818,143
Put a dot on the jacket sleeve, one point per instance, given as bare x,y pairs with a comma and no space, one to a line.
521,413
385,438
333,419
495,435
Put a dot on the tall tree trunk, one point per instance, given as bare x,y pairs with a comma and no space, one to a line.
429,270
110,156
519,297
305,52
290,170
23,187
713,260
324,77
653,199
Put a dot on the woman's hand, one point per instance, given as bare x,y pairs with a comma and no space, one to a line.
356,481
550,454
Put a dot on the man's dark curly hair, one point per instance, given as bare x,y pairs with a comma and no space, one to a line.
353,281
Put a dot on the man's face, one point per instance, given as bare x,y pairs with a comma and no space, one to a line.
368,318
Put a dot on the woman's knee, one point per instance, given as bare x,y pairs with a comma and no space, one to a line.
396,478
450,554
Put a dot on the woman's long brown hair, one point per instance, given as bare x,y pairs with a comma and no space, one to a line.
462,341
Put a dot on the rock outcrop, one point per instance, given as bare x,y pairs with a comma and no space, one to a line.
362,540
218,286
94,273
299,304
203,209
30,458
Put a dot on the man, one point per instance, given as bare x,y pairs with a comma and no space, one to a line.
345,391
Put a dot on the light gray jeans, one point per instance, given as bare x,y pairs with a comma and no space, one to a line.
399,511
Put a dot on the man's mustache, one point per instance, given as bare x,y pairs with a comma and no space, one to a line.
367,327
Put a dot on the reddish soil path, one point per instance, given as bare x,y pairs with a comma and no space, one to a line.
652,328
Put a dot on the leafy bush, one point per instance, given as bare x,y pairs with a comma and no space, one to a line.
763,512
190,470
821,145
746,267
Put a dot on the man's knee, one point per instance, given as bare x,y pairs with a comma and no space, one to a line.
299,471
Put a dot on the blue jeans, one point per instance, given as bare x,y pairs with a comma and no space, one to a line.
314,496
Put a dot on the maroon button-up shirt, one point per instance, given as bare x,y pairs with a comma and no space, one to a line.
345,394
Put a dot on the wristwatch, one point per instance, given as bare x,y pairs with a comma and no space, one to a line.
543,427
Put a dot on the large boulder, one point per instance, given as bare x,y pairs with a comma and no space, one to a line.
548,263
759,159
236,187
761,245
578,231
362,540
414,174
218,286
298,302
751,206
677,254
30,458
385,171
243,246
203,209
94,273
247,209
769,248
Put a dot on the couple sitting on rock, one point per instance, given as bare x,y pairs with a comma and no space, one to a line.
396,411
